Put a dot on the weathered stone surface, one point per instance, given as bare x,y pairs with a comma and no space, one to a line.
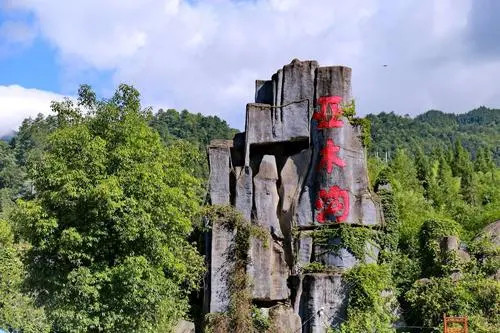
284,319
304,249
451,244
282,161
297,98
304,214
344,258
266,196
491,233
221,264
244,191
184,326
285,116
292,175
221,239
341,174
264,92
259,124
341,259
334,81
323,302
219,155
268,271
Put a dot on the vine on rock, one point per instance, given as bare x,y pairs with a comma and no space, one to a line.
354,239
349,111
372,304
241,316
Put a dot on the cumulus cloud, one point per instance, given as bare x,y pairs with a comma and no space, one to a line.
205,55
18,103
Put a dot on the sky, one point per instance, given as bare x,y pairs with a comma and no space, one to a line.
205,55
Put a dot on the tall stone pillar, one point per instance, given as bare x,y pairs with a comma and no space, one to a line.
302,170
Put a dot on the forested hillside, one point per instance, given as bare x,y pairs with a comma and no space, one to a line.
98,203
476,129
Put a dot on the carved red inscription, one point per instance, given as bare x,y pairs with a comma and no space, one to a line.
329,156
332,202
329,112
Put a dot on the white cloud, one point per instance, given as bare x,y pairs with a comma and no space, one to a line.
18,103
205,55
17,32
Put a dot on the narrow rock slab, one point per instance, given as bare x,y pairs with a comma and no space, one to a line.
266,196
220,240
268,271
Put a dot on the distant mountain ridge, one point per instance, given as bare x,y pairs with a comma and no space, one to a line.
8,136
478,128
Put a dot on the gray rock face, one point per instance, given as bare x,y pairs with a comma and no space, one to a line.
341,259
268,271
264,91
292,176
220,263
304,249
323,302
492,233
344,258
244,191
284,319
300,166
286,115
266,196
451,244
219,154
184,326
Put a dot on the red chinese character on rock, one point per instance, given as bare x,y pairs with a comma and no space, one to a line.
332,202
329,156
329,112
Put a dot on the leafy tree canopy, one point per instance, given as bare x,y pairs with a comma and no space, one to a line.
110,219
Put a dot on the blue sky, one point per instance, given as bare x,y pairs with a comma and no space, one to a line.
205,55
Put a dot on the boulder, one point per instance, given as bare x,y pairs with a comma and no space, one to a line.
491,232
184,326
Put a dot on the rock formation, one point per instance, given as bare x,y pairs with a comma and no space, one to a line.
299,168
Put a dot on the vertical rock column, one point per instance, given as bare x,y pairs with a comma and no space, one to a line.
219,153
333,196
340,194
267,269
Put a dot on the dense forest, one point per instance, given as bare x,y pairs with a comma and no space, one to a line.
477,129
99,203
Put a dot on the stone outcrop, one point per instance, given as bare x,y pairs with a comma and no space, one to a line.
184,326
299,168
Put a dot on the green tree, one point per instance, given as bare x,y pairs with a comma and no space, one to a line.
17,310
464,168
110,220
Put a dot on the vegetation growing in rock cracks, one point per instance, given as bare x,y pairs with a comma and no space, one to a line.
241,315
